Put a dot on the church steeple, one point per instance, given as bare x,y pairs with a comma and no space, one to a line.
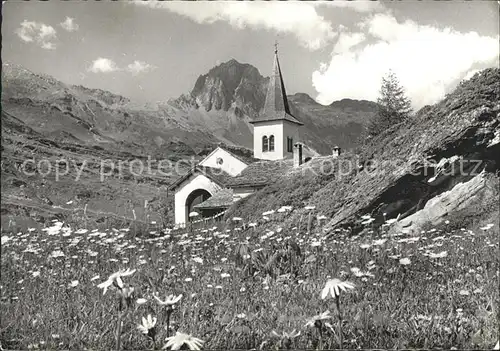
275,130
276,106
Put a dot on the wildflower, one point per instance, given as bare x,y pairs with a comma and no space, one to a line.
126,293
333,287
318,318
464,292
286,338
180,340
291,335
74,283
198,260
241,316
487,227
379,242
57,253
148,326
357,272
283,209
170,300
36,274
439,255
404,261
115,279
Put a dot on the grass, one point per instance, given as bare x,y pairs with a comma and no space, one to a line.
250,283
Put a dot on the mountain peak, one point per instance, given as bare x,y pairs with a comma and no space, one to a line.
303,98
225,84
364,105
232,62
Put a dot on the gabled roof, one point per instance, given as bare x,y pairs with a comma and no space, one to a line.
221,199
261,173
276,106
245,159
215,174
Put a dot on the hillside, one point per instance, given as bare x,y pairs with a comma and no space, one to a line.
218,109
441,166
45,118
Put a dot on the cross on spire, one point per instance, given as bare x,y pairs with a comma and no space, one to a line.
276,105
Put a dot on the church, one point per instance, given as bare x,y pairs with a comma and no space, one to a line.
222,177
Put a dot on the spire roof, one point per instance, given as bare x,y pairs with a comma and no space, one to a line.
276,106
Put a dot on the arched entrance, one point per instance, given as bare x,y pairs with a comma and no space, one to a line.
194,198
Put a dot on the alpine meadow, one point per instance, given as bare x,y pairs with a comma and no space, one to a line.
250,175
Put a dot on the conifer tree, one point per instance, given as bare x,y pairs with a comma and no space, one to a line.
394,105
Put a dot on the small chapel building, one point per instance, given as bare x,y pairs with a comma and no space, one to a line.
222,177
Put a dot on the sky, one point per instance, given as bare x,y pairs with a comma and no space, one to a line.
153,51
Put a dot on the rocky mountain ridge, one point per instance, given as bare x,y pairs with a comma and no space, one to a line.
218,109
45,118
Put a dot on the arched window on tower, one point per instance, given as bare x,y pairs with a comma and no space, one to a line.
271,143
265,144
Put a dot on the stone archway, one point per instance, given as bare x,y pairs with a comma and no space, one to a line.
194,198
192,192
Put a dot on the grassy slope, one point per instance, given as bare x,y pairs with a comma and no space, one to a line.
444,302
462,124
32,200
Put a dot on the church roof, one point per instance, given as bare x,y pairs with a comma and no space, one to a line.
261,173
217,175
239,155
276,106
221,199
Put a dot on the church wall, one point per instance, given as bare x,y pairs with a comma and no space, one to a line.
289,130
230,164
199,181
281,130
268,128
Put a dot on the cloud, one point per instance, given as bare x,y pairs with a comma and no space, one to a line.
48,46
69,24
427,60
298,18
103,65
37,33
358,6
139,67
348,40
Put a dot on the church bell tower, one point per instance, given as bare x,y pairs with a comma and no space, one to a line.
275,130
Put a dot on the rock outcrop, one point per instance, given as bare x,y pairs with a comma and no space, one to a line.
426,169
